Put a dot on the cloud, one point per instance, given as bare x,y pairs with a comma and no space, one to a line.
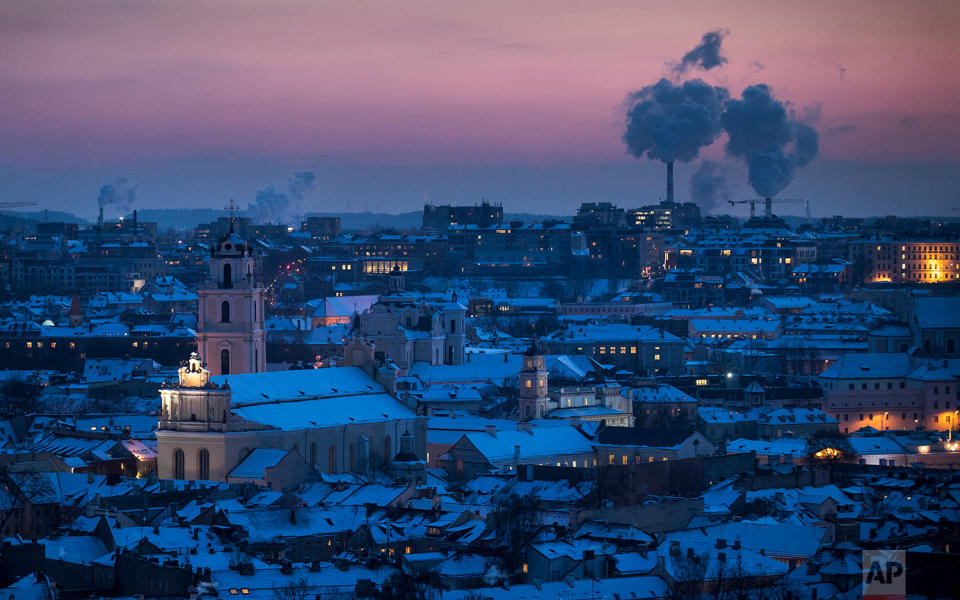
771,139
118,196
711,186
841,129
277,205
669,122
706,55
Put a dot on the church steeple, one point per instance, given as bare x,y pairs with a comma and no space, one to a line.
534,379
397,283
230,330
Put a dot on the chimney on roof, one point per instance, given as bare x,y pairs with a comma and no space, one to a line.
492,430
670,182
516,454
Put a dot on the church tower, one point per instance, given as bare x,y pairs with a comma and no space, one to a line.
534,397
230,331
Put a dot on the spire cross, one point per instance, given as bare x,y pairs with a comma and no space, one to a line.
232,208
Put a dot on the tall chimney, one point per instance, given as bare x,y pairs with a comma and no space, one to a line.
670,182
100,218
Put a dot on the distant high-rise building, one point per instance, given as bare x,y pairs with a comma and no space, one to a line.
230,331
440,218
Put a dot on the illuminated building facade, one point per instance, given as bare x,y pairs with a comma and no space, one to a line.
889,392
908,262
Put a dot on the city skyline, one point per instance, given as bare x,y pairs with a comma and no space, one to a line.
392,106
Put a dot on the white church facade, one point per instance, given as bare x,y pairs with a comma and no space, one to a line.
338,419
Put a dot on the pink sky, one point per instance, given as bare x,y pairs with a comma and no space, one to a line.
89,84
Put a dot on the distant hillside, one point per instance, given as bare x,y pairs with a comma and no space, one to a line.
15,219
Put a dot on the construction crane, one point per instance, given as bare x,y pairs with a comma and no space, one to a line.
16,204
768,204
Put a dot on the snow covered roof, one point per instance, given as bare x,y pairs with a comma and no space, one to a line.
253,466
941,312
312,398
536,443
869,366
279,386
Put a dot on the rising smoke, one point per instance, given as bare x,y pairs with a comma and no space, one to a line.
117,197
277,205
711,185
670,122
769,137
706,55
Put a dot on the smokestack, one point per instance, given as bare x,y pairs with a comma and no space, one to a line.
100,218
768,207
134,219
670,182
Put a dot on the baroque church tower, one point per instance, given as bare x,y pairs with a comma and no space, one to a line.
230,330
534,395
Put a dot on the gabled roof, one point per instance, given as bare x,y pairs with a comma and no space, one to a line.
536,443
255,464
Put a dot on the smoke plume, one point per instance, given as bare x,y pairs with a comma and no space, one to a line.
117,197
710,186
706,55
670,122
768,136
277,205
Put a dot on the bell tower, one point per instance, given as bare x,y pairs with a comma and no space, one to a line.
534,395
230,327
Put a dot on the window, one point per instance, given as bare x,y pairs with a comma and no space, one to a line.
387,448
224,362
313,454
332,459
203,464
224,312
227,276
178,464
